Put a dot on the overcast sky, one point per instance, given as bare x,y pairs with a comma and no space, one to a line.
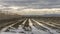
28,4
32,3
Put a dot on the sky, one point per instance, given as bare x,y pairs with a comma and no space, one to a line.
21,5
32,3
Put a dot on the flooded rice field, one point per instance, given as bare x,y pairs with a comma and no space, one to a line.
31,26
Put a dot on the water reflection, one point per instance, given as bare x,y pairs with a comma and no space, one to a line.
29,26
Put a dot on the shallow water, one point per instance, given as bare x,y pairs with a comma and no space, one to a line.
29,26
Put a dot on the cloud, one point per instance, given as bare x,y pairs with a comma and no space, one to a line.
21,6
39,11
33,3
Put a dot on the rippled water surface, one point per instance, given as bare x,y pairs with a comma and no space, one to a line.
31,26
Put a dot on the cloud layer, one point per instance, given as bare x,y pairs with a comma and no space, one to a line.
32,3
20,6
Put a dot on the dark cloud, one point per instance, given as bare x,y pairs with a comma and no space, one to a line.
32,3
